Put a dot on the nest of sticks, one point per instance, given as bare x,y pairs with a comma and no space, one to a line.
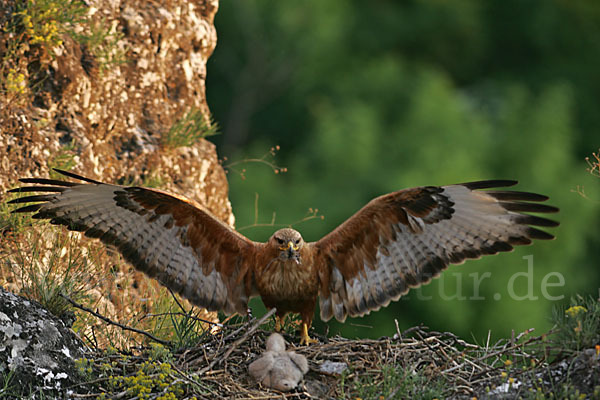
406,365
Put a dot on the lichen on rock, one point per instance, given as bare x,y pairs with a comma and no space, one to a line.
36,348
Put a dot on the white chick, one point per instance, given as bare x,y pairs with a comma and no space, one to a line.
277,368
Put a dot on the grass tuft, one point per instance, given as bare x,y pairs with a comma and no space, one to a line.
578,326
391,382
49,263
188,130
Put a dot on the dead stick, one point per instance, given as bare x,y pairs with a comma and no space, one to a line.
237,342
111,322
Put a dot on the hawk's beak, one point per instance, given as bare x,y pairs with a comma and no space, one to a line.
292,251
290,246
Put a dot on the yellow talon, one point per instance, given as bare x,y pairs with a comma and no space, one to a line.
304,338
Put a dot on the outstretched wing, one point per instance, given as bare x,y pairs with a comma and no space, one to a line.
168,237
404,239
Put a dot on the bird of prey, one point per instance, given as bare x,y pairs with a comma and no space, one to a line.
397,241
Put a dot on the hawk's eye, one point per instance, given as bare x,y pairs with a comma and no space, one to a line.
297,241
280,241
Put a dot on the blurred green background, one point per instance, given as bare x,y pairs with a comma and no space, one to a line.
366,98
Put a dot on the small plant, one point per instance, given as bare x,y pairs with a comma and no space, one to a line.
50,264
594,164
43,22
187,330
142,379
34,31
64,159
84,367
15,83
578,326
158,352
13,74
11,224
266,159
183,328
103,44
7,386
188,130
151,179
391,382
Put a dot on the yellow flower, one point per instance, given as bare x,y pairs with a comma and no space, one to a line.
508,363
573,311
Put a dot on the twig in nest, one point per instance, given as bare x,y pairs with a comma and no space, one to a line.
235,344
111,322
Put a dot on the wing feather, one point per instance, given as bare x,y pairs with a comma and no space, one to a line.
168,237
406,238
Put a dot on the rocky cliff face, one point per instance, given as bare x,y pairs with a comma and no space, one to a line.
100,88
38,348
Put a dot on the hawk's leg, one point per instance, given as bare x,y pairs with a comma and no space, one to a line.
278,323
304,338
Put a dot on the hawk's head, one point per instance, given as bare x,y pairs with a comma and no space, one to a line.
289,242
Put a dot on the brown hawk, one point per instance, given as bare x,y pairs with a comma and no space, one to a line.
396,242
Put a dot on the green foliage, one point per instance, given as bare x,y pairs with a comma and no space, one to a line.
374,98
152,179
187,330
7,390
391,382
10,223
104,44
15,83
33,25
183,328
84,367
578,326
64,159
44,22
145,379
188,130
50,265
159,352
33,32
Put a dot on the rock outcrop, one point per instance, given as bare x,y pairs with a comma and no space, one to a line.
37,348
98,94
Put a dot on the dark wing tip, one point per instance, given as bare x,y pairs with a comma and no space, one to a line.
508,195
27,209
44,181
534,233
526,219
75,176
489,184
32,199
518,202
26,189
528,207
